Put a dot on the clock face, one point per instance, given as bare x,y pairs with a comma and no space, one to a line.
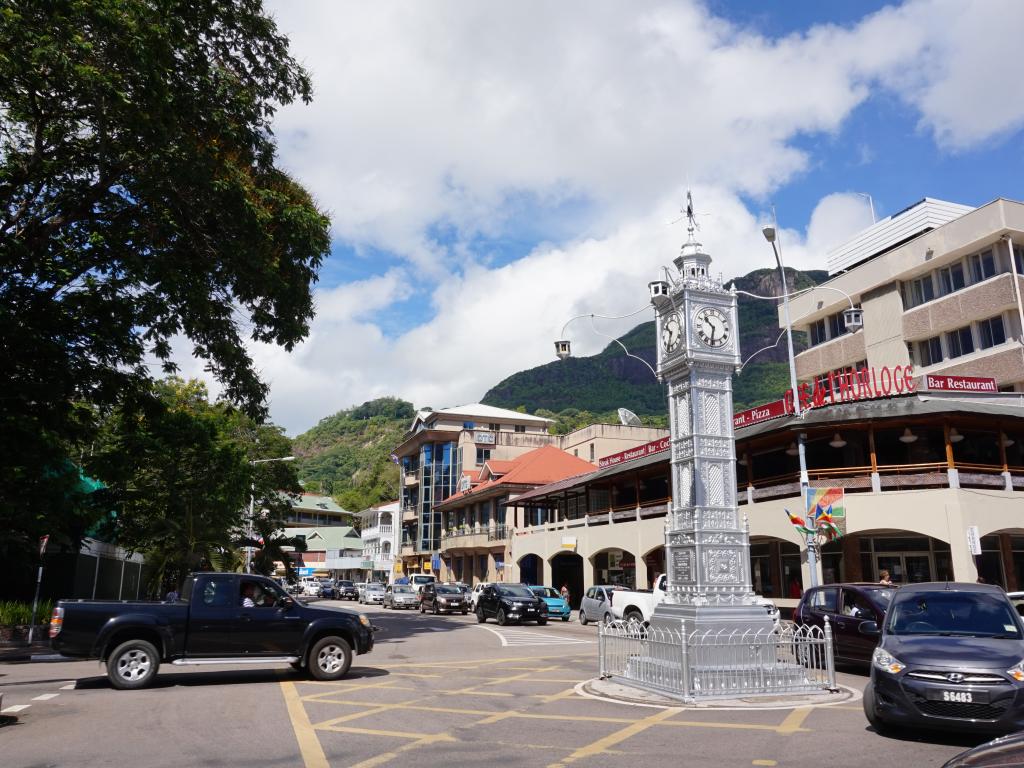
671,333
712,327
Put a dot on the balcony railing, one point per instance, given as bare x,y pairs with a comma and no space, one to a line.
377,531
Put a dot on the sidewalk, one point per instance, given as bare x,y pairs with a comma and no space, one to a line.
22,651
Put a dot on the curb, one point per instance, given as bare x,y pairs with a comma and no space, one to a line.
603,690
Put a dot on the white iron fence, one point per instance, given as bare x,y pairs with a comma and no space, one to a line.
694,665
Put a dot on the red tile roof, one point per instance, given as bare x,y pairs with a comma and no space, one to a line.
537,467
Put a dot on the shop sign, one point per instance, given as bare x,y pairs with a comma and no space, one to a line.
306,571
864,384
483,438
973,540
398,566
569,543
761,413
435,563
959,383
647,449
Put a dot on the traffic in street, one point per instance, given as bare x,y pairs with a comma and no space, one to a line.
442,689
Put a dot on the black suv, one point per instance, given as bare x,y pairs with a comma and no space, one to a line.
510,603
855,611
443,598
347,590
951,657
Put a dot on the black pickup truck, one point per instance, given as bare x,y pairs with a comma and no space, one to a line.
221,618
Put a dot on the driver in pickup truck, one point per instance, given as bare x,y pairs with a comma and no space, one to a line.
248,590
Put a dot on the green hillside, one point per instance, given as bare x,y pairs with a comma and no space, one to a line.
610,380
347,455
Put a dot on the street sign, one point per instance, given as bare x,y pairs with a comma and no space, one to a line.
973,540
306,571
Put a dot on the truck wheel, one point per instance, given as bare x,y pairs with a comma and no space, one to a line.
330,658
583,618
634,615
133,665
480,618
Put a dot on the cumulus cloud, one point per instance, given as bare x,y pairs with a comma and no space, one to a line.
439,126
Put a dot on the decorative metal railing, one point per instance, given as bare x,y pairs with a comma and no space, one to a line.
705,664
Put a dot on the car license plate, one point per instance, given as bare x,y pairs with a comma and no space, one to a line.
959,697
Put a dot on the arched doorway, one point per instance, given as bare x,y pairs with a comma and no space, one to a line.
908,556
615,566
655,560
567,569
530,569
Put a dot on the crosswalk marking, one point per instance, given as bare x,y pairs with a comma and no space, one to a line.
45,696
511,636
15,708
68,687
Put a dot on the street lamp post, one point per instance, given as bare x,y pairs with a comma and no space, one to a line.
252,505
812,554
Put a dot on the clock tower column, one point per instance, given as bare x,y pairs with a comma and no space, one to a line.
707,547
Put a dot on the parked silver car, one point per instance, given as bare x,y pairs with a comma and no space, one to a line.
373,593
597,605
401,596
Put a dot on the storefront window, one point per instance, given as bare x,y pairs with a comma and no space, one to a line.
615,566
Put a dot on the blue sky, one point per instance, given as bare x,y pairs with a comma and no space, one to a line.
494,169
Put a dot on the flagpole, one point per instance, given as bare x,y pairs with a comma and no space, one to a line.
39,582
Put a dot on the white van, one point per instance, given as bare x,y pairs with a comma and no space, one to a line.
417,580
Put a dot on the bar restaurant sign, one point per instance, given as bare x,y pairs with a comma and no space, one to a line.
647,449
864,384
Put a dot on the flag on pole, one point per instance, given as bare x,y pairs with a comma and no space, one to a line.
798,523
42,544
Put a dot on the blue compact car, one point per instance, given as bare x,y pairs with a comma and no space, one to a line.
558,607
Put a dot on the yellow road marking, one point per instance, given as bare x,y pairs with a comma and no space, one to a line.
472,692
764,762
619,736
389,756
728,726
336,691
413,707
566,694
376,710
794,720
379,732
309,745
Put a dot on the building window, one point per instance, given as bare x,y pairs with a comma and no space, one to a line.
1018,258
960,342
520,427
929,351
482,455
952,278
991,332
817,331
468,425
919,291
836,325
494,427
592,451
983,266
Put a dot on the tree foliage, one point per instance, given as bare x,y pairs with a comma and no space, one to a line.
140,205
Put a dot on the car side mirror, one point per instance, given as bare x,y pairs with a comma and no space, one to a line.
869,628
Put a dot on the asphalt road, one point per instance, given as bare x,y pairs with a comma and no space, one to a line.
436,691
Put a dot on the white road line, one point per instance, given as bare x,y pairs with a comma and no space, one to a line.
68,687
15,708
45,697
517,637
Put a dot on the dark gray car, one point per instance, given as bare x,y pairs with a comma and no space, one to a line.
950,657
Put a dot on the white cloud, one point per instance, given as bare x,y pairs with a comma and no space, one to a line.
580,123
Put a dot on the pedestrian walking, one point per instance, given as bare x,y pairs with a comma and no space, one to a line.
565,592
171,596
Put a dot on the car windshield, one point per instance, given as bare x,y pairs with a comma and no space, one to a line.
403,590
374,588
971,614
446,590
344,583
514,590
544,591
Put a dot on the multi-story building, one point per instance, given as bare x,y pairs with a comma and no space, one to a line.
380,535
940,285
474,534
313,510
445,448
335,551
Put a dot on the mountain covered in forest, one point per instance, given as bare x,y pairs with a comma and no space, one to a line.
610,379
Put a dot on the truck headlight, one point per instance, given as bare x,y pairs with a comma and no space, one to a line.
886,662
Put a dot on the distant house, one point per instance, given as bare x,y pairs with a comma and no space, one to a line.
314,510
334,551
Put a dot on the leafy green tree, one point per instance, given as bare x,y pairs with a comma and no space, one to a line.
140,204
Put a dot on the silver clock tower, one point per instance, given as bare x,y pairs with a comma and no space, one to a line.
707,547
